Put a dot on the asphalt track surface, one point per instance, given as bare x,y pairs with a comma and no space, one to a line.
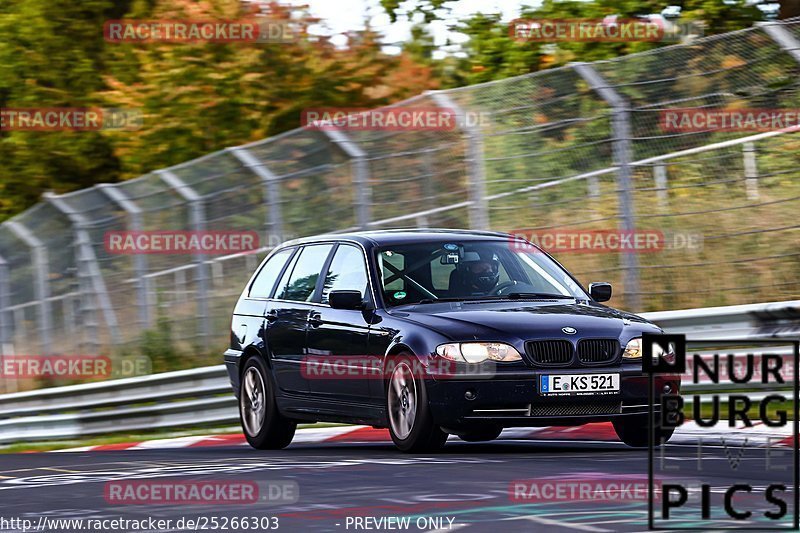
466,483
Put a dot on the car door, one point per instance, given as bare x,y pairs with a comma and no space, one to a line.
287,316
249,325
337,338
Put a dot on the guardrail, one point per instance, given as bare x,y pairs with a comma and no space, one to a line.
202,396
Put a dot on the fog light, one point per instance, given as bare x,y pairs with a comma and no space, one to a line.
470,394
667,388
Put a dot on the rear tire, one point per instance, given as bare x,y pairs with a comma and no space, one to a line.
634,431
410,421
264,427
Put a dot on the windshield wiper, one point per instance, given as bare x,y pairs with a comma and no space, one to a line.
543,295
436,301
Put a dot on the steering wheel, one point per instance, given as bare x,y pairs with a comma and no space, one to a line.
497,291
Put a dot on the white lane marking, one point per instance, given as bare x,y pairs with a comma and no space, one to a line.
179,442
81,449
324,434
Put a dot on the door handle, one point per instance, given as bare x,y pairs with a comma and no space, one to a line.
272,316
314,320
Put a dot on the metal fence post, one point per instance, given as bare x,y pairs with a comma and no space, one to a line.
139,260
272,193
197,214
622,150
750,170
660,176
476,166
41,287
783,37
361,175
89,275
594,186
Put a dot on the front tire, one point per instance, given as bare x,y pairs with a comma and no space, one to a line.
264,427
634,431
410,421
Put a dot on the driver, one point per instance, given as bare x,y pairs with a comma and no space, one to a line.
478,275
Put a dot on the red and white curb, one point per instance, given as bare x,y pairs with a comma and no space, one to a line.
689,433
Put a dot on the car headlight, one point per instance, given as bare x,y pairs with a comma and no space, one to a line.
633,350
477,352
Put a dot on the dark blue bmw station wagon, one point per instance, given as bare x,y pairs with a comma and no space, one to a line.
430,333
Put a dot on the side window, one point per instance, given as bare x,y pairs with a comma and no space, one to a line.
347,272
303,279
265,281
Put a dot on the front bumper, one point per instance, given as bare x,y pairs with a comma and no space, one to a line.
513,399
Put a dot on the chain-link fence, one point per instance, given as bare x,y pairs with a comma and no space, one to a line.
580,147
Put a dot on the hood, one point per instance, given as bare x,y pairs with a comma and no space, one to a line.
526,320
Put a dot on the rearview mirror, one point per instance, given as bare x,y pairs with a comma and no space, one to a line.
346,300
600,292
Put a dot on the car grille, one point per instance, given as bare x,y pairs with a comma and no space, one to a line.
556,352
595,351
588,408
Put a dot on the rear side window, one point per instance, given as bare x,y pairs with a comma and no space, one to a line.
347,272
303,279
265,281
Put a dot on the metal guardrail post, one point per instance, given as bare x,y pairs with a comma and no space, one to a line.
197,214
621,130
89,275
139,260
783,37
361,174
41,287
272,193
476,166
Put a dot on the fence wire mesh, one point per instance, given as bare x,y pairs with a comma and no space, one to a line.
550,151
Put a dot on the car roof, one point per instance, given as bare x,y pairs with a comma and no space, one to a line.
404,236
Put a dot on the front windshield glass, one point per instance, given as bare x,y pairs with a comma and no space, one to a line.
453,270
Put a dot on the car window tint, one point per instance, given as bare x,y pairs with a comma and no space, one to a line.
265,281
303,280
347,272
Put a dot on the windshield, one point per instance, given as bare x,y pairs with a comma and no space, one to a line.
452,270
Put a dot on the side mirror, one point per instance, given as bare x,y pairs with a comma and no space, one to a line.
600,292
346,300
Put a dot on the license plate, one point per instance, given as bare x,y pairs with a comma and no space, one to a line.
579,384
